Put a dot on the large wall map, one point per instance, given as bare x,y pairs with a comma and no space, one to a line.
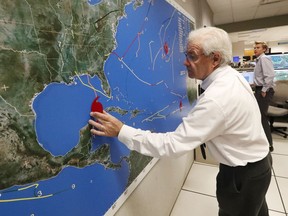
56,57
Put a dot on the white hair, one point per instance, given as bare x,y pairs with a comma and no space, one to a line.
212,39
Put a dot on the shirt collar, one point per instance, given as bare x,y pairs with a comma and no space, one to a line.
260,56
213,76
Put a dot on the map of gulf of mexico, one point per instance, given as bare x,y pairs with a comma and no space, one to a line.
56,58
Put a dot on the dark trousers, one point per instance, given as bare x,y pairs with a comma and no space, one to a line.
241,190
263,103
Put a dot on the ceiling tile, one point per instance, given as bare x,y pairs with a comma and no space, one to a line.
242,15
265,11
267,34
283,9
240,3
219,5
223,18
222,14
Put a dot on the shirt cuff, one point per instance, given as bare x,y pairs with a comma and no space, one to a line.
125,136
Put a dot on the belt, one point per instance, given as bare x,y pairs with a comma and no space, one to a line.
258,165
260,88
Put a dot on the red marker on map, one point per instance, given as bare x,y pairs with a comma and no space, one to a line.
166,48
96,105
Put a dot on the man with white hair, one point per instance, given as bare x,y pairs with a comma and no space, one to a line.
226,118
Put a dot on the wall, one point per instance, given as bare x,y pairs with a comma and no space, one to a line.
199,9
278,48
238,48
158,191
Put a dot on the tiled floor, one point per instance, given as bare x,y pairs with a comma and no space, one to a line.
197,196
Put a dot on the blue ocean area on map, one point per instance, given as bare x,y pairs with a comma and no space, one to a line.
143,76
94,2
62,111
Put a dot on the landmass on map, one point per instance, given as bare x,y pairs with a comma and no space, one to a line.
43,42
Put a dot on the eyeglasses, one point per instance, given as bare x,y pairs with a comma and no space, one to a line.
192,57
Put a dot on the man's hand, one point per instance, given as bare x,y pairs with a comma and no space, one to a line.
106,124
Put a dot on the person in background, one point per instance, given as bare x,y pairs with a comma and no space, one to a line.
226,117
264,82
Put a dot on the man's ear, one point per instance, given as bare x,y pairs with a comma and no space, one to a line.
216,59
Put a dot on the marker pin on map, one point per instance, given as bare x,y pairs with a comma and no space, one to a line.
96,105
166,48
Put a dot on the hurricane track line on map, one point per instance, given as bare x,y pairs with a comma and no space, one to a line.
170,19
139,33
26,198
21,189
35,197
121,58
158,115
90,86
35,186
150,84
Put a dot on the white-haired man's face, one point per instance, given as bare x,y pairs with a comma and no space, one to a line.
199,65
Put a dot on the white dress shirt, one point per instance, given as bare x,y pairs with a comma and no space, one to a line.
264,72
226,118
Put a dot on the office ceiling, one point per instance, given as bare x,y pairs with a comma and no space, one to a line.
275,34
235,11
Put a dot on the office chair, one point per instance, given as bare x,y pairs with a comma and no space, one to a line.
278,110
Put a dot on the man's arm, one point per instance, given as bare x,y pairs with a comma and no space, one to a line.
268,73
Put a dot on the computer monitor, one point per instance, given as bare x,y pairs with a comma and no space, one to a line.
280,61
236,59
246,58
249,76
